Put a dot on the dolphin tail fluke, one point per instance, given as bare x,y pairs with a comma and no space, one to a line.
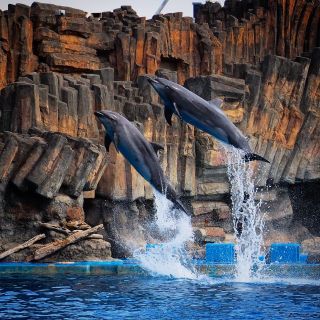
178,205
254,157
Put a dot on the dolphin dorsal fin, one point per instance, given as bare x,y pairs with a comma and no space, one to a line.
156,147
217,102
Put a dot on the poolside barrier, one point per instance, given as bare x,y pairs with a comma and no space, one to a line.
287,253
220,253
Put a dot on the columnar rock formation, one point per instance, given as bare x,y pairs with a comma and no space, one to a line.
60,66
63,39
44,177
251,29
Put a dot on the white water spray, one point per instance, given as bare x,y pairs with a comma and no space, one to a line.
170,258
247,218
174,229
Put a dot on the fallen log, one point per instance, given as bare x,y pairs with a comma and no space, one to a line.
55,246
22,246
55,228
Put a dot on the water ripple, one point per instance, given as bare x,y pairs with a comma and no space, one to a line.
136,297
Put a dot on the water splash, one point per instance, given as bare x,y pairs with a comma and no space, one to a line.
174,232
247,218
174,229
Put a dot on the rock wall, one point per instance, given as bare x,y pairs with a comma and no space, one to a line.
50,141
222,40
42,38
249,30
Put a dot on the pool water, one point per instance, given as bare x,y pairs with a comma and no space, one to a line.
145,297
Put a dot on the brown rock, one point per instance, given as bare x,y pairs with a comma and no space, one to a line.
85,160
26,109
51,185
73,25
33,157
85,250
75,214
210,234
73,62
283,28
312,248
54,46
8,154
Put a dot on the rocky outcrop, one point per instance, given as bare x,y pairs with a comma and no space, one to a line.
44,178
50,101
45,162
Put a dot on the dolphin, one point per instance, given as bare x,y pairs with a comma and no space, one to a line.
205,115
140,153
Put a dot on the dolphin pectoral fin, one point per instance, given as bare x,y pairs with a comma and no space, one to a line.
177,111
252,157
156,147
168,115
216,102
107,142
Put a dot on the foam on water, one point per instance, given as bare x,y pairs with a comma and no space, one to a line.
170,258
247,218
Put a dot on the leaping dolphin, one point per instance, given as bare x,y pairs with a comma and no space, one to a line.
205,115
140,153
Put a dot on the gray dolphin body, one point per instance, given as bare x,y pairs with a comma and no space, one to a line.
205,115
140,153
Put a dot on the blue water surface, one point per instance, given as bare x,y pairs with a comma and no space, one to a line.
146,297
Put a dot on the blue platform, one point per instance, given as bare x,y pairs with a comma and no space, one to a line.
286,253
220,253
281,253
303,258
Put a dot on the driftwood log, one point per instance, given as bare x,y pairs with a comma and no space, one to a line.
24,245
55,228
55,246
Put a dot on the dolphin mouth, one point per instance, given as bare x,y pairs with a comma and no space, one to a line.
156,84
98,114
152,81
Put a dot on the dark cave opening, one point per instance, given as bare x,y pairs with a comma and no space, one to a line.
305,199
169,63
